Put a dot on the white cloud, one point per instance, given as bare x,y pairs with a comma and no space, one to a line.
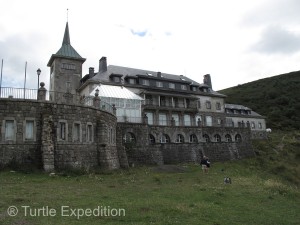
188,37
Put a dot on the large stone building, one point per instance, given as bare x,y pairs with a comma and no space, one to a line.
119,115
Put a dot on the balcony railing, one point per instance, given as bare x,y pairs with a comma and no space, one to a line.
130,119
168,104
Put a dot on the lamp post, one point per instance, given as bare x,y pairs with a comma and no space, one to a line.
38,74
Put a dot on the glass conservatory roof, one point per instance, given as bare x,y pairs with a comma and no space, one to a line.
110,91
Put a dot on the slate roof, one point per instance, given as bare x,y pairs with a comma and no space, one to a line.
241,107
131,72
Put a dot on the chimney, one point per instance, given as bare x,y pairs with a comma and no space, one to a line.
158,74
102,65
91,72
207,80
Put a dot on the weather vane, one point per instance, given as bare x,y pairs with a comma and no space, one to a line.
67,15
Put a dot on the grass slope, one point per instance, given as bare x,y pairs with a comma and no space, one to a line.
264,191
277,98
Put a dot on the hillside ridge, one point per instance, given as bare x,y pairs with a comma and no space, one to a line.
277,98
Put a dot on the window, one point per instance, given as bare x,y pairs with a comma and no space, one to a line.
217,138
150,117
117,79
131,81
68,66
187,120
129,138
68,85
193,138
198,120
9,130
219,121
89,132
159,84
208,121
175,117
206,138
259,125
228,138
208,104
162,119
199,104
229,122
76,132
172,85
180,138
194,88
145,82
187,103
162,101
252,125
29,126
62,131
151,139
149,100
164,139
183,87
176,102
238,138
218,106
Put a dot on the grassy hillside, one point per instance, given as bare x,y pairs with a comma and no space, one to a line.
277,98
264,190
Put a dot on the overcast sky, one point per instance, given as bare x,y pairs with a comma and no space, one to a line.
235,41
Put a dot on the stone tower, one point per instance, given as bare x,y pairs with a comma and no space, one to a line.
65,68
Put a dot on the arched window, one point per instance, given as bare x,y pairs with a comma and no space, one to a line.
228,138
180,138
238,138
129,138
217,138
164,139
193,138
206,138
151,139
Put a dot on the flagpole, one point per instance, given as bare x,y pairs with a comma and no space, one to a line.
1,76
25,78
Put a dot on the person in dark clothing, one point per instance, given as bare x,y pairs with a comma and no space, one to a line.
205,164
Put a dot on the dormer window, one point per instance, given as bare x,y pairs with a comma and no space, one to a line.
145,82
131,81
194,88
117,79
172,85
159,84
183,87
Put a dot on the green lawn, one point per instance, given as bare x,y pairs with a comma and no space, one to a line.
183,195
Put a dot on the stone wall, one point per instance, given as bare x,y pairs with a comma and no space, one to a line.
95,144
144,152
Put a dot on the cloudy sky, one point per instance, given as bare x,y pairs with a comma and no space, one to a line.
236,41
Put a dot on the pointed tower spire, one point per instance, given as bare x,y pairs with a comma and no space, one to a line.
66,40
66,49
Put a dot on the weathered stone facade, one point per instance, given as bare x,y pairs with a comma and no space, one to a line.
47,148
145,151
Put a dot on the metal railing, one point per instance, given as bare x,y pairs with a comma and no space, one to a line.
129,119
18,93
51,96
180,105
